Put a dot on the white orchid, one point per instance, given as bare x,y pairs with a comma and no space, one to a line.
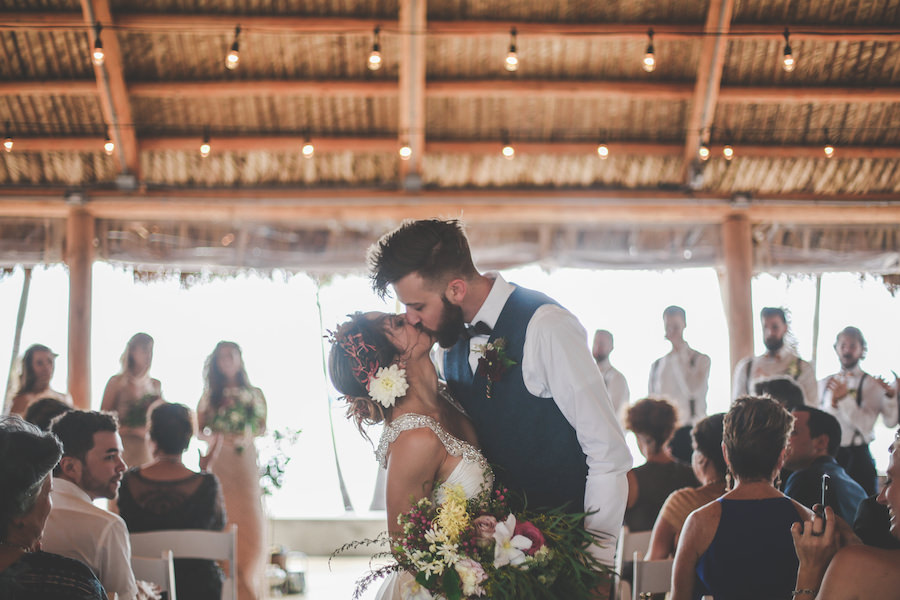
388,384
508,549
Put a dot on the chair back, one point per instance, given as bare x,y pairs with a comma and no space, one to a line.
650,577
160,571
194,543
629,543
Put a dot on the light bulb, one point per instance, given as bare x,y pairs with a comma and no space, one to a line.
649,63
233,58
308,149
508,152
108,146
728,152
788,63
703,152
8,144
405,152
829,150
98,56
204,149
603,151
374,60
512,61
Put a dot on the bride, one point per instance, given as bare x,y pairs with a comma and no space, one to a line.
427,436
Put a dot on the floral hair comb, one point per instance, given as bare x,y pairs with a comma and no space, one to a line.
384,384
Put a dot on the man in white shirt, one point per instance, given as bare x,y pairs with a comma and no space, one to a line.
560,442
91,467
779,359
615,382
857,399
682,375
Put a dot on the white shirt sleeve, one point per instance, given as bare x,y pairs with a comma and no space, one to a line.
618,392
114,560
557,362
807,380
739,382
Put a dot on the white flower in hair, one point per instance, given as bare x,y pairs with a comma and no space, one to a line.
388,384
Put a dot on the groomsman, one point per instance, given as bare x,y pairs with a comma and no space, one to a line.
856,399
543,416
779,359
615,382
682,375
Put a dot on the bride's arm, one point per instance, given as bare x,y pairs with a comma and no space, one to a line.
413,465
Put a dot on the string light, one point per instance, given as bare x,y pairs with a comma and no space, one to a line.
649,63
829,148
728,152
507,151
234,56
375,61
703,151
308,149
205,147
405,151
108,146
788,63
602,151
512,58
98,56
8,140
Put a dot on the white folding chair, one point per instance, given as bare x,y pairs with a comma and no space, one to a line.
650,577
194,543
160,571
629,543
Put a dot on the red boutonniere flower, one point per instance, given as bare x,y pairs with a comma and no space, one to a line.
493,362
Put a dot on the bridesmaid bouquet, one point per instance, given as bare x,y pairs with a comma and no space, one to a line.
240,414
478,548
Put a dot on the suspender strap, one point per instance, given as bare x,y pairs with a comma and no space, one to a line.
747,379
859,390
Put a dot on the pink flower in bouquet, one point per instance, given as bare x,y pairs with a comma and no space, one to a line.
484,530
471,574
534,534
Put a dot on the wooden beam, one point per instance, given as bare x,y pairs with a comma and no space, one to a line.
80,258
709,78
412,89
262,143
266,87
59,144
737,248
62,87
494,147
111,83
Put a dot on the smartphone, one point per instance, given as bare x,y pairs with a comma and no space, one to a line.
825,500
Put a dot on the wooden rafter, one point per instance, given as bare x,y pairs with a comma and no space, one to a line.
113,91
709,79
412,88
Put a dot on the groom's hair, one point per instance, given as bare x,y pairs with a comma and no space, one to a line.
437,250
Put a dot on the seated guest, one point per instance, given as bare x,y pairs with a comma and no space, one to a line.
832,568
813,444
709,468
45,410
740,545
91,467
27,455
653,421
165,494
783,389
38,366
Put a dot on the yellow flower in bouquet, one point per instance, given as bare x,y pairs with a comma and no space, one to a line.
452,516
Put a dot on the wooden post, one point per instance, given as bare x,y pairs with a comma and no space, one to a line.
737,246
412,90
80,258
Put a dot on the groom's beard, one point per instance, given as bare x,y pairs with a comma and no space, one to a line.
774,344
451,325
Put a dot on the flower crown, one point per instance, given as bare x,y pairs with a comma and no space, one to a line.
384,384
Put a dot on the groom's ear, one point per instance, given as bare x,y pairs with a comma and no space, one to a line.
456,291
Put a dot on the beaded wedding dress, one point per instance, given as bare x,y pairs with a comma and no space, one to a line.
472,474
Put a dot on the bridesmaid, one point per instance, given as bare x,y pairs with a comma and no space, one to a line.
231,414
130,394
38,365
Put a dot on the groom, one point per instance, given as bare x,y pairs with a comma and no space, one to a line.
546,422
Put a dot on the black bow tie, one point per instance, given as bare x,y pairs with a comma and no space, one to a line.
479,328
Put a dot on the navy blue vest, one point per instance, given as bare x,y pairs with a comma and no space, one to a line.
532,447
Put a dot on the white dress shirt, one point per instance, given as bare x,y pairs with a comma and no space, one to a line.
680,376
98,538
785,363
557,363
858,420
616,386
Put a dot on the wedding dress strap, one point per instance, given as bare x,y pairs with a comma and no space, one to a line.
408,421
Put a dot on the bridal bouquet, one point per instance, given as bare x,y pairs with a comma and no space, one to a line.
477,548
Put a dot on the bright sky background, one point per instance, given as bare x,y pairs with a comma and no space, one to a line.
276,321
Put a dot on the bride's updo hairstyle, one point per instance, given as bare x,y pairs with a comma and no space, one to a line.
359,348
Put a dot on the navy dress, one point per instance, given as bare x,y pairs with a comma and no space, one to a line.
752,554
45,576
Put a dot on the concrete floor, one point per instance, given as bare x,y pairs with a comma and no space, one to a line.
336,582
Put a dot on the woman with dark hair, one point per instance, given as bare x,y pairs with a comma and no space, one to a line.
38,365
231,414
27,455
740,546
709,468
382,365
165,494
130,394
653,422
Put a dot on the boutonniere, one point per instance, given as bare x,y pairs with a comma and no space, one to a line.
794,368
493,361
